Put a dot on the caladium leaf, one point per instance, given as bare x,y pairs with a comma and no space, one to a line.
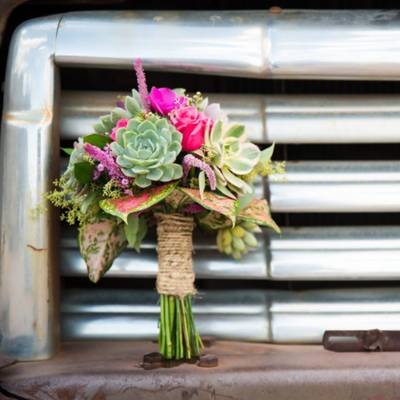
126,205
258,212
100,243
214,202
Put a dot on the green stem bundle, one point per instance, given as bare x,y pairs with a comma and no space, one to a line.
178,337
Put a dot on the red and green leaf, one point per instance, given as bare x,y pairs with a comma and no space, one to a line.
147,198
214,202
258,212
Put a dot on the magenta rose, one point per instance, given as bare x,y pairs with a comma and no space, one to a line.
122,123
192,124
165,100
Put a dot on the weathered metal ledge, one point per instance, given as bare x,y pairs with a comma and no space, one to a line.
111,370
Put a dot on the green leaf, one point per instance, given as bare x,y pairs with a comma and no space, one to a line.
90,200
67,150
117,114
258,213
126,205
132,105
236,131
142,231
216,133
131,229
100,243
214,202
99,128
202,183
267,153
83,172
106,121
212,220
97,140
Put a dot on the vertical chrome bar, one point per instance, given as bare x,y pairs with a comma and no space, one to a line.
29,155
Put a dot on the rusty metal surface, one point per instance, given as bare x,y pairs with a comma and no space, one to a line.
368,340
6,361
110,370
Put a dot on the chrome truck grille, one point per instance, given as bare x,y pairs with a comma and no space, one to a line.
307,45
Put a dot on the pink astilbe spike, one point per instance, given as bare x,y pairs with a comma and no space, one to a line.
106,163
142,85
190,161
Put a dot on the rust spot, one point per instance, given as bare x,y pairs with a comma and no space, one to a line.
41,116
275,10
36,248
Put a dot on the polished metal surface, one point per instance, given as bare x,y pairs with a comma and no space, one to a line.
29,151
315,253
337,186
336,253
273,118
256,315
295,44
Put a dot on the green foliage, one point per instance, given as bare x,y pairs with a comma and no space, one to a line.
146,150
135,230
83,172
97,140
67,151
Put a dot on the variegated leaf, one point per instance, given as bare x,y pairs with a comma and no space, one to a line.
258,212
214,202
100,243
126,205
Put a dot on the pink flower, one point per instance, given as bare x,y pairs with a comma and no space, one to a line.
192,124
165,100
122,123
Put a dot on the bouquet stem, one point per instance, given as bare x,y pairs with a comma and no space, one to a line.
178,337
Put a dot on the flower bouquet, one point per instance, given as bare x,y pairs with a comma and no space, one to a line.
172,159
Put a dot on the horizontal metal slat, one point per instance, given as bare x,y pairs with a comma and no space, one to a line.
326,253
295,44
337,186
273,118
274,316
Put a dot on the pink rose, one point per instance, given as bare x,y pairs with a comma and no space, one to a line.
192,124
122,123
165,100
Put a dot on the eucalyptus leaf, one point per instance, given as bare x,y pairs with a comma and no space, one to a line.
83,172
67,150
131,229
97,140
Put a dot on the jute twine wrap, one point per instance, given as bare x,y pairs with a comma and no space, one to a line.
175,262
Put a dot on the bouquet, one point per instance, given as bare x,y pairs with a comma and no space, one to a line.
172,159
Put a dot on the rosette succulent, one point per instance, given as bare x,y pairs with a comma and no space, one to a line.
146,150
132,107
232,156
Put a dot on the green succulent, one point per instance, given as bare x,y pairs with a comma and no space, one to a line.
232,157
146,150
133,108
238,240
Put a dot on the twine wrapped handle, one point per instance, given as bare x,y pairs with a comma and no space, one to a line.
175,262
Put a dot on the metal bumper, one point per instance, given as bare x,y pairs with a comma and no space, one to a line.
292,44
